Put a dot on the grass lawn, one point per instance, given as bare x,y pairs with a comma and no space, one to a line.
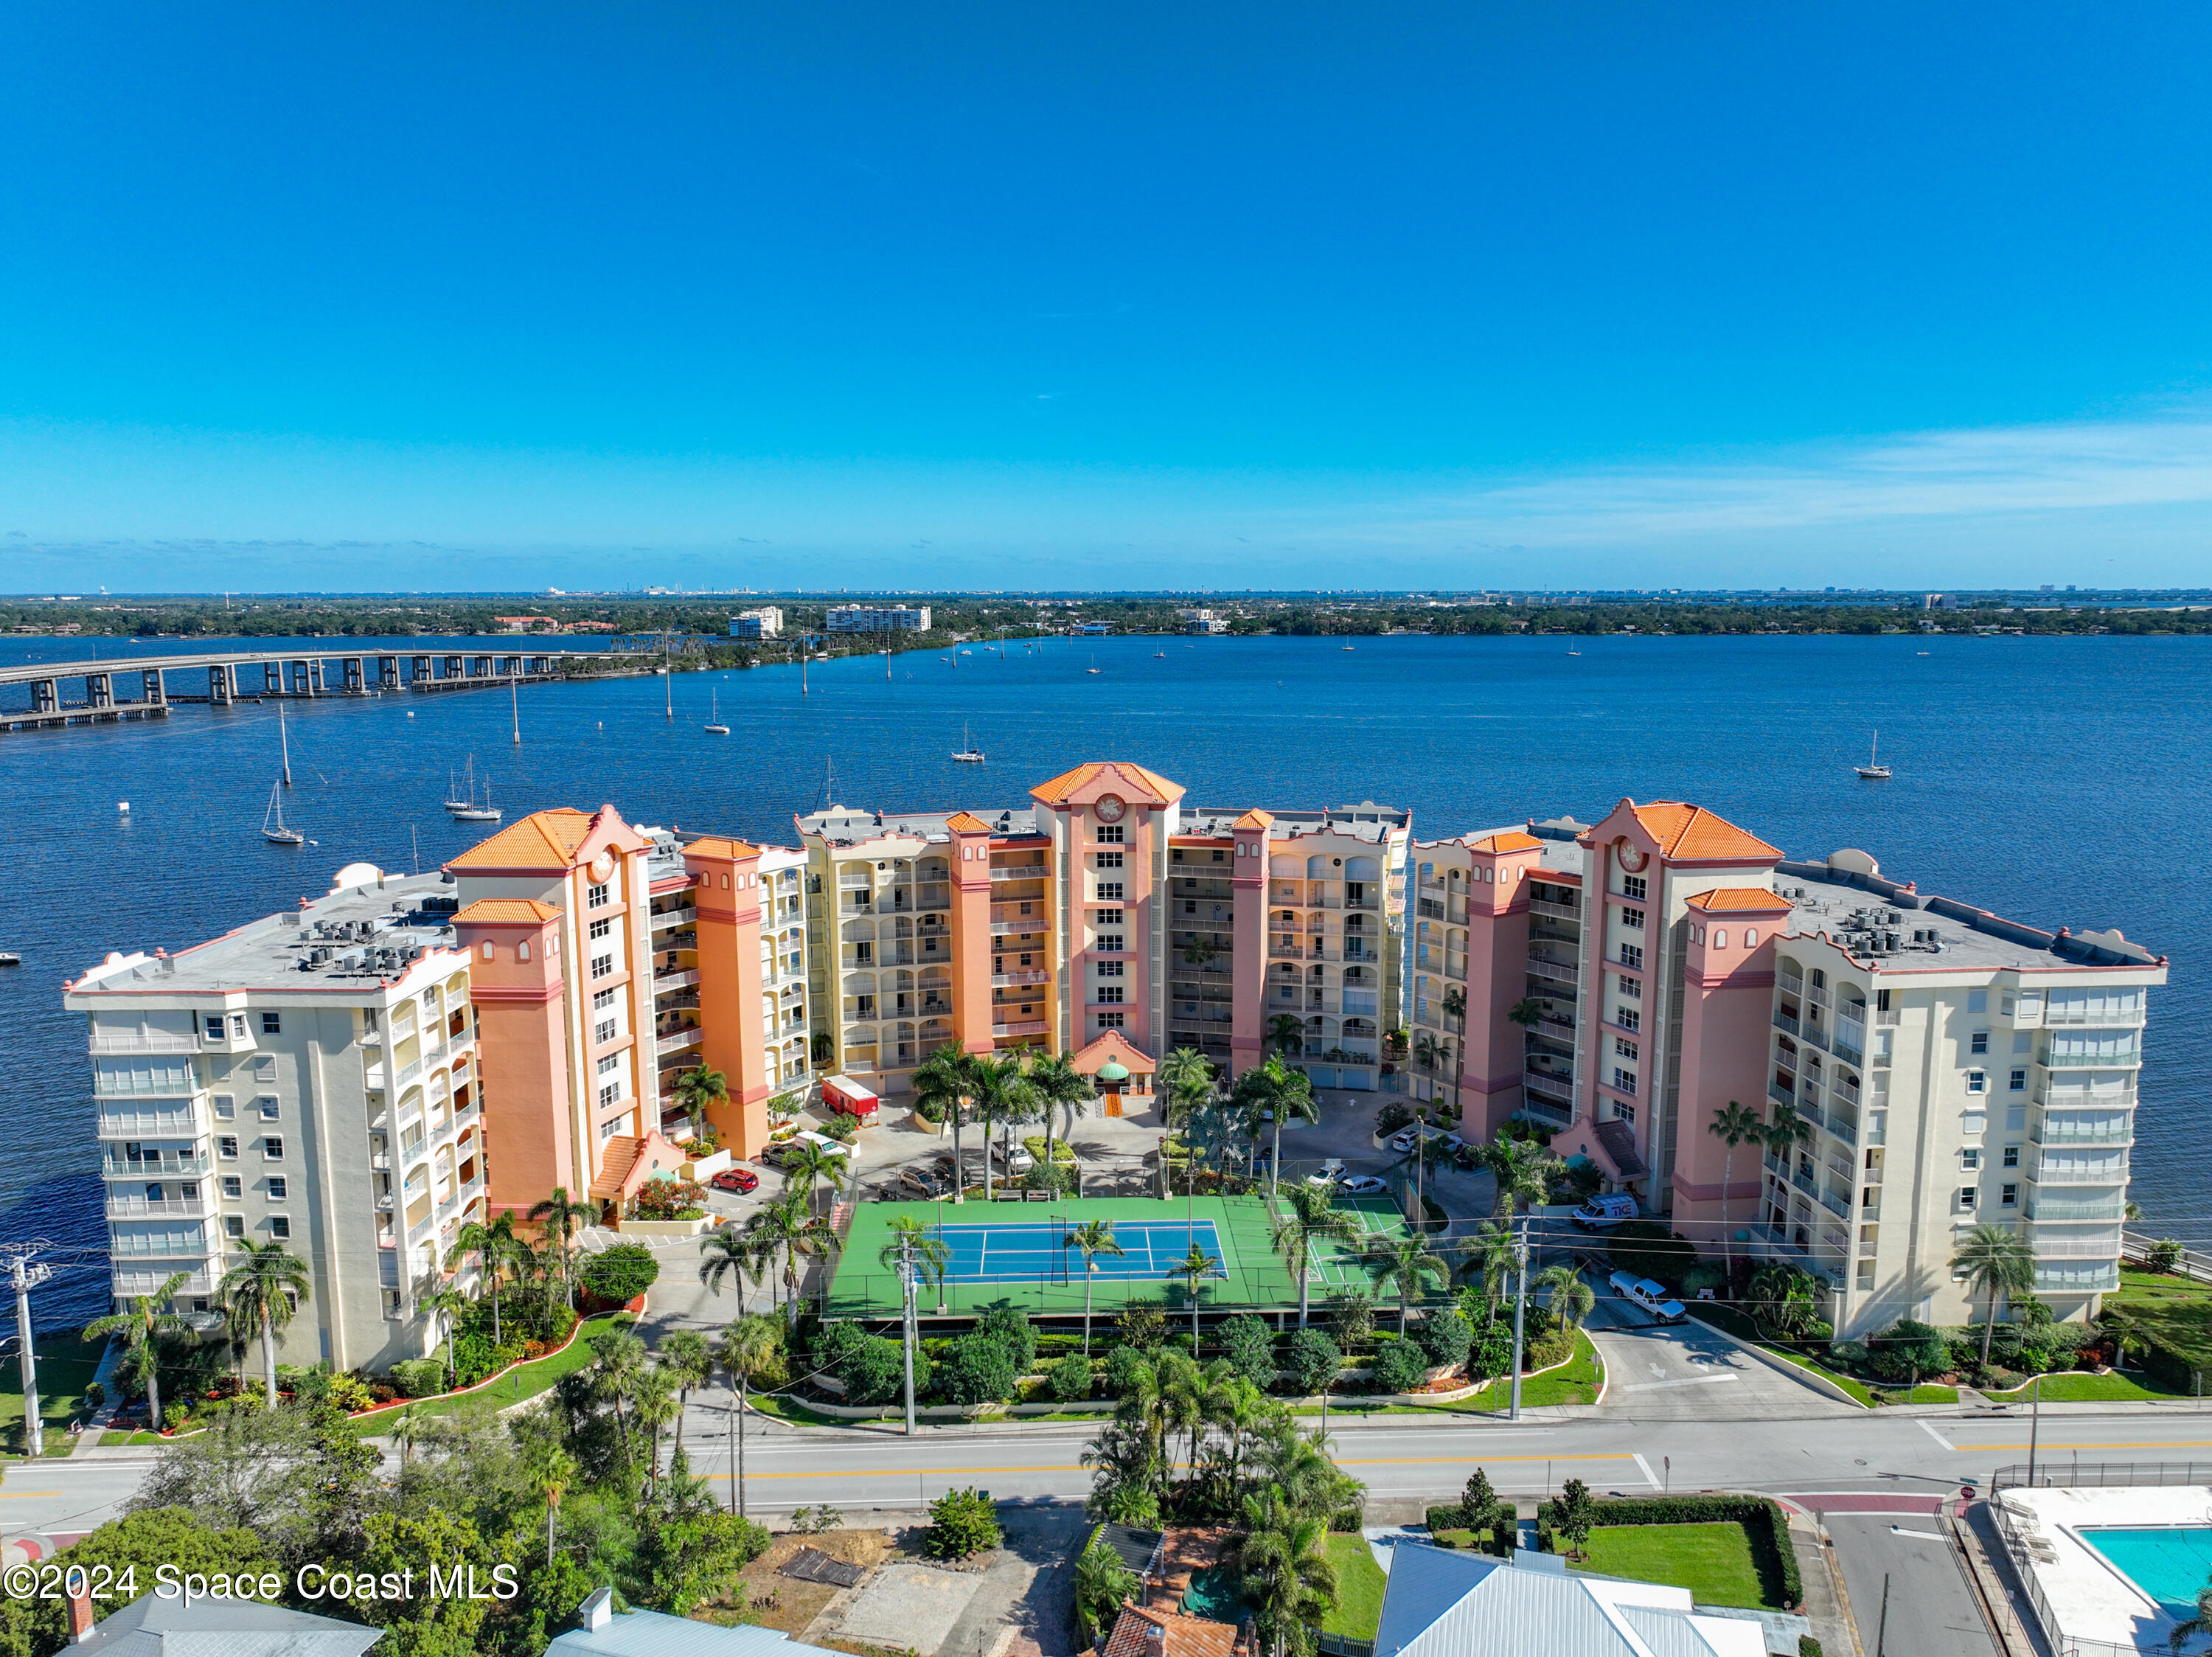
2089,1389
1360,1585
65,1369
2175,1311
1717,1562
523,1381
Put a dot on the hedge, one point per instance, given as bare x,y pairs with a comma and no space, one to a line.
1759,1516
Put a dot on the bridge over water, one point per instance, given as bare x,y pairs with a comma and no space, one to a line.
257,676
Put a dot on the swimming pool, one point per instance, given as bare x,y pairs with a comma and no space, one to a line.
2170,1563
1215,1594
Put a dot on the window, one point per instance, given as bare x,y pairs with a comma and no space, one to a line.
264,1069
234,1225
1978,1042
2022,1042
1631,955
267,1107
237,1026
604,1031
1110,834
1977,1082
604,965
2011,1196
278,1188
1108,993
1751,937
215,1028
232,1186
864,1007
610,1064
863,954
1106,940
1109,860
487,948
600,927
280,1226
1966,1194
1189,908
1881,1000
1971,1157
272,1149
1977,1001
1624,1049
2017,1082
1862,1278
224,1107
1632,885
1112,969
1632,917
1627,1018
595,897
1109,889
522,950
1026,959
1720,938
1110,1020
1631,988
226,1145
1219,858
272,1024
602,999
1624,1080
612,1125
371,1018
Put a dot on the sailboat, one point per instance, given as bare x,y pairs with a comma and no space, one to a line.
714,726
272,822
1872,771
455,799
970,754
470,812
1093,667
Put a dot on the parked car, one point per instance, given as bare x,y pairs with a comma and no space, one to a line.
1362,1185
923,1181
1648,1294
1015,1158
740,1180
1402,1143
1603,1213
1331,1171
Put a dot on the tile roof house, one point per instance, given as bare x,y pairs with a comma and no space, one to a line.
1444,1604
1139,1632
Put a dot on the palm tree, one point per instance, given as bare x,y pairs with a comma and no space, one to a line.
685,1360
748,1352
993,1085
618,1362
726,1252
1427,1052
806,1162
1571,1299
698,1089
1286,1033
1528,1012
448,1303
1191,1270
942,1079
1495,1257
1523,1171
1274,1087
1735,1125
1313,1216
494,1246
1186,1077
141,1325
1786,1133
1094,1238
552,1469
1402,1266
260,1293
1287,1578
653,1401
2190,1627
562,1219
782,1225
1994,1261
1059,1084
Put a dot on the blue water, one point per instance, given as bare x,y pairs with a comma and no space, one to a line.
2171,1563
1214,1593
2059,781
991,1251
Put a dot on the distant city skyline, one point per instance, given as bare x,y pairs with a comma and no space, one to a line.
1442,295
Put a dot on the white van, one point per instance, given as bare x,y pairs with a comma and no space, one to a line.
1603,1213
1648,1295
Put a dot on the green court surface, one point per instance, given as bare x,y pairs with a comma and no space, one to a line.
1013,1251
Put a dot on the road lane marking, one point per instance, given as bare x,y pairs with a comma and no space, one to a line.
1694,1380
2144,1444
20,1495
1648,1478
1419,1461
1926,1536
1929,1428
985,1473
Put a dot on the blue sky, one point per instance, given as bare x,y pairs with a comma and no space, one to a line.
1130,296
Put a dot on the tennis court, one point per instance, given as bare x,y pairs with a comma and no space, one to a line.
1019,1252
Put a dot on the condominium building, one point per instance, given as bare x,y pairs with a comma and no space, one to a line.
1621,984
1107,908
310,1079
871,618
1202,621
765,622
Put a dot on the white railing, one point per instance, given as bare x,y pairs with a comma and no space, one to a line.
190,1123
149,1041
171,1208
124,1285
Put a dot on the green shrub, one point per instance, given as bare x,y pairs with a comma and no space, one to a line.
1142,1325
871,1368
1249,1346
1125,1366
1706,1274
1392,1117
1313,1360
961,1523
930,1110
1648,1249
621,1273
1906,1348
1445,1336
1492,1354
980,1369
1004,1321
2163,1255
1398,1366
1071,1379
418,1378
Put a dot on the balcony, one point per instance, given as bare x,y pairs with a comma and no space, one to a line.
1553,971
1024,1028
129,1285
678,1041
1020,871
1836,1202
1429,908
2076,1280
184,1119
124,1207
1792,983
1785,1023
2048,1132
2046,1174
1028,975
1781,1095
1557,911
664,918
1031,926
145,1041
156,1165
671,978
1541,1085
1850,1045
2039,1207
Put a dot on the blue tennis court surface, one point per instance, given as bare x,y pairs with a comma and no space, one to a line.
1036,1250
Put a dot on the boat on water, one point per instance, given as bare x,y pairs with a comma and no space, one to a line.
9,957
1093,667
470,812
714,726
1873,771
970,754
272,822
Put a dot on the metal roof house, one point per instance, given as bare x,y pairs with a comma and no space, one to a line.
1445,1604
607,1633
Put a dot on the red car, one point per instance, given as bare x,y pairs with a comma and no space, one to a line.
740,1180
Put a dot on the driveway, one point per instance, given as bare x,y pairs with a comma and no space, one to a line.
1683,1373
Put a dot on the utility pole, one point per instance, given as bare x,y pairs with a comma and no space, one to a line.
1519,1298
26,1278
2034,1427
906,1279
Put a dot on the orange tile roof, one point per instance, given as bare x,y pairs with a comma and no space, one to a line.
505,912
1139,1632
714,845
1728,898
966,822
1691,833
545,839
1113,1045
1511,840
1255,818
1057,791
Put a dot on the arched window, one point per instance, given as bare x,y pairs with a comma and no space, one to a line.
1720,938
487,949
1751,937
522,950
